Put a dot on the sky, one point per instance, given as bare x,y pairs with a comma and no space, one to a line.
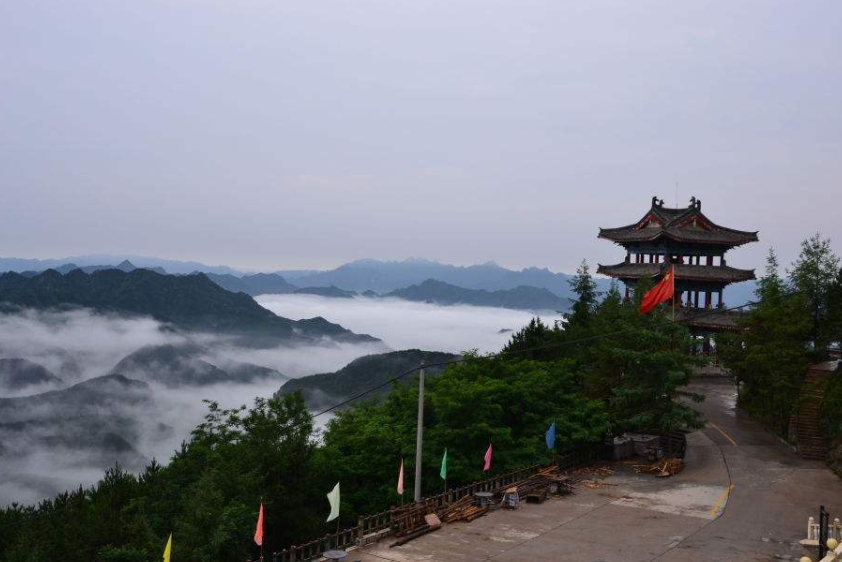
269,134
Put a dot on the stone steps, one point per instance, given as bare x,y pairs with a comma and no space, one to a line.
807,420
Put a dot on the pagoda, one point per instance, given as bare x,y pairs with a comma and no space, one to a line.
696,246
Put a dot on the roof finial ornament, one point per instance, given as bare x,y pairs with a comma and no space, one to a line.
693,202
699,204
654,200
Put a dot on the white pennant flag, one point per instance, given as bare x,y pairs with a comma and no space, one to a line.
333,498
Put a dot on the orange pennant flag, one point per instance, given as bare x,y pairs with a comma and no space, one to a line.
400,479
661,292
258,533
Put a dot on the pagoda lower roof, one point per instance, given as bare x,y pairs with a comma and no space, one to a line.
709,273
683,225
710,319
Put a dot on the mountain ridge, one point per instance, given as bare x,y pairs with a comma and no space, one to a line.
191,302
522,297
326,389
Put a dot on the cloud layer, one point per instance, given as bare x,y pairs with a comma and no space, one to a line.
403,324
79,345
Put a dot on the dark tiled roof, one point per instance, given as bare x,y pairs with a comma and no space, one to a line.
687,225
709,318
717,273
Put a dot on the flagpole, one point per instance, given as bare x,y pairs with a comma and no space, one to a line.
419,435
672,272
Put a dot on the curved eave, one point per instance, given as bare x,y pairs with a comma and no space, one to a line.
637,236
683,272
710,319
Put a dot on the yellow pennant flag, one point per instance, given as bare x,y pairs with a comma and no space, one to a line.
168,549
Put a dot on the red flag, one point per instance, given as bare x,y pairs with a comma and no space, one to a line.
400,479
487,466
258,533
661,292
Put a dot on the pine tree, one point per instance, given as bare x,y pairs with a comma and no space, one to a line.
584,287
769,356
534,341
639,365
813,274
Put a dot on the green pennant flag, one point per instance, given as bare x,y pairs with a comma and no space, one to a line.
443,472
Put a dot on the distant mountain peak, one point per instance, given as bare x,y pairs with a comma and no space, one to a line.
420,261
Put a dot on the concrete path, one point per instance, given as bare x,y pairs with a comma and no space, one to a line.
743,496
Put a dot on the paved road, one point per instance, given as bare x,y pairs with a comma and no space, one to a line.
744,496
774,490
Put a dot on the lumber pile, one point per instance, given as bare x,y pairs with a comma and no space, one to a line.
431,523
602,471
597,485
409,519
662,469
462,510
542,482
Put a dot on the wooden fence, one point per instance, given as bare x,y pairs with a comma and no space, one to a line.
379,525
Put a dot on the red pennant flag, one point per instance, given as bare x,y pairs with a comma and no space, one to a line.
487,466
258,533
661,292
400,479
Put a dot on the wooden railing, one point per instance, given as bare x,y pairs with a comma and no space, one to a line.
382,524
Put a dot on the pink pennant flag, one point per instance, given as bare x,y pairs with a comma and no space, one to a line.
400,479
258,532
488,459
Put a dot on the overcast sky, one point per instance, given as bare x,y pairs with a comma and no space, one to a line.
278,134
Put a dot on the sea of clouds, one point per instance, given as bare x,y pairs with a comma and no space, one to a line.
79,345
405,324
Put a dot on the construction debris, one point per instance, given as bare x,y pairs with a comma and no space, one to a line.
603,471
414,521
596,485
662,468
409,519
462,510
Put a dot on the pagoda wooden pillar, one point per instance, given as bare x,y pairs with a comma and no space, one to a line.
707,299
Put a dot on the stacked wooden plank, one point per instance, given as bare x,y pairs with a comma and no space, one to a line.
543,482
411,518
462,510
603,471
662,468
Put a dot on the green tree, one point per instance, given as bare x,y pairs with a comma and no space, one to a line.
813,274
584,287
536,340
506,402
640,365
768,355
833,326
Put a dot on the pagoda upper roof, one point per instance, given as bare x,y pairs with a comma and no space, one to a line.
709,273
686,225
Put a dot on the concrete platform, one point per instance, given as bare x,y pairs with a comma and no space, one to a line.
743,496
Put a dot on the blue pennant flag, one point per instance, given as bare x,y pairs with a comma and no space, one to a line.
550,437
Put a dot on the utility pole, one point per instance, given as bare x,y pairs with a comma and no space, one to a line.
419,435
